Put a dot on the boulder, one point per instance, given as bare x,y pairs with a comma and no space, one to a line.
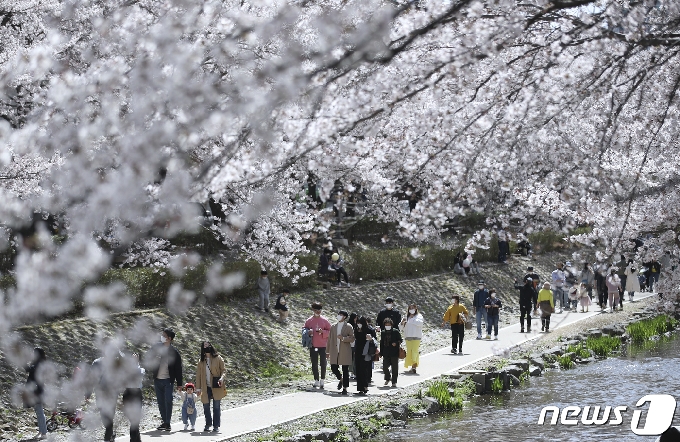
400,412
537,361
613,330
555,351
594,332
382,415
514,380
570,342
534,371
327,434
586,360
514,370
303,437
419,413
397,423
352,432
520,363
480,382
431,405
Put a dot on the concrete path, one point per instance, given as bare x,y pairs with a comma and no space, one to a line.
281,409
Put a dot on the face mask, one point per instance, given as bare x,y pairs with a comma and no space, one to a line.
388,327
481,287
493,295
317,314
388,306
164,339
209,350
359,326
341,318
412,311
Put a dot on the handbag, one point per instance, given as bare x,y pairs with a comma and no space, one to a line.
376,356
468,325
402,353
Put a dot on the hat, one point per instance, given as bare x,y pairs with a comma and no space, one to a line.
568,263
480,283
389,299
189,385
529,279
335,257
546,284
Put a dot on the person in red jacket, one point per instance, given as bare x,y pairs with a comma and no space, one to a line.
321,329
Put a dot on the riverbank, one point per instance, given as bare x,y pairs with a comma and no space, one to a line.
380,412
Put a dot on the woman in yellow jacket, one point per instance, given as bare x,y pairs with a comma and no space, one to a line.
455,315
546,303
210,378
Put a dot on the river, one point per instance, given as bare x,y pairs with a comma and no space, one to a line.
513,415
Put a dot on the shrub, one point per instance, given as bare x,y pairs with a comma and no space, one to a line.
439,390
604,345
565,362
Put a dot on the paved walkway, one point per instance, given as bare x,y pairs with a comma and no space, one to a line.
281,409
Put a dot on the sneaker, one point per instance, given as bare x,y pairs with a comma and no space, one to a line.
40,436
387,383
193,428
216,430
186,427
460,351
394,385
344,392
488,337
168,427
161,426
479,337
206,429
453,350
316,384
495,338
321,384
349,285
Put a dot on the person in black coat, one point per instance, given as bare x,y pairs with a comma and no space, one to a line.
34,391
388,312
390,342
528,298
165,363
363,356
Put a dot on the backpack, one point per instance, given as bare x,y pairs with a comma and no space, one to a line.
306,338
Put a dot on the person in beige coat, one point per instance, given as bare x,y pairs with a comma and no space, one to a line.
339,350
210,379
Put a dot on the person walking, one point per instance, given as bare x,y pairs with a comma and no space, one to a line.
133,397
546,302
339,350
557,277
621,272
390,342
388,312
263,289
584,299
493,306
352,320
587,279
570,281
320,328
601,282
282,305
166,366
364,350
412,325
211,375
189,399
527,303
632,282
533,275
33,393
455,316
613,286
478,308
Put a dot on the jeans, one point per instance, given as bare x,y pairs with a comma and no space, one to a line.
457,334
132,409
492,321
214,420
341,272
40,414
561,295
264,301
393,363
481,313
163,389
315,353
622,291
191,418
344,377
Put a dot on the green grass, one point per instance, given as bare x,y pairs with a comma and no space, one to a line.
565,362
451,401
604,345
579,350
524,377
273,369
497,385
642,330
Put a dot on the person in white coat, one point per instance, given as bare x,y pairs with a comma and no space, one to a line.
412,325
632,283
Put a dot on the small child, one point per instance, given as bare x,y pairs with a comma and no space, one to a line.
281,305
263,288
584,298
189,399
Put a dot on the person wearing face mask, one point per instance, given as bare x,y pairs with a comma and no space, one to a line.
388,312
455,316
352,320
390,341
493,307
165,363
210,377
282,305
478,308
364,350
320,329
413,333
339,350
